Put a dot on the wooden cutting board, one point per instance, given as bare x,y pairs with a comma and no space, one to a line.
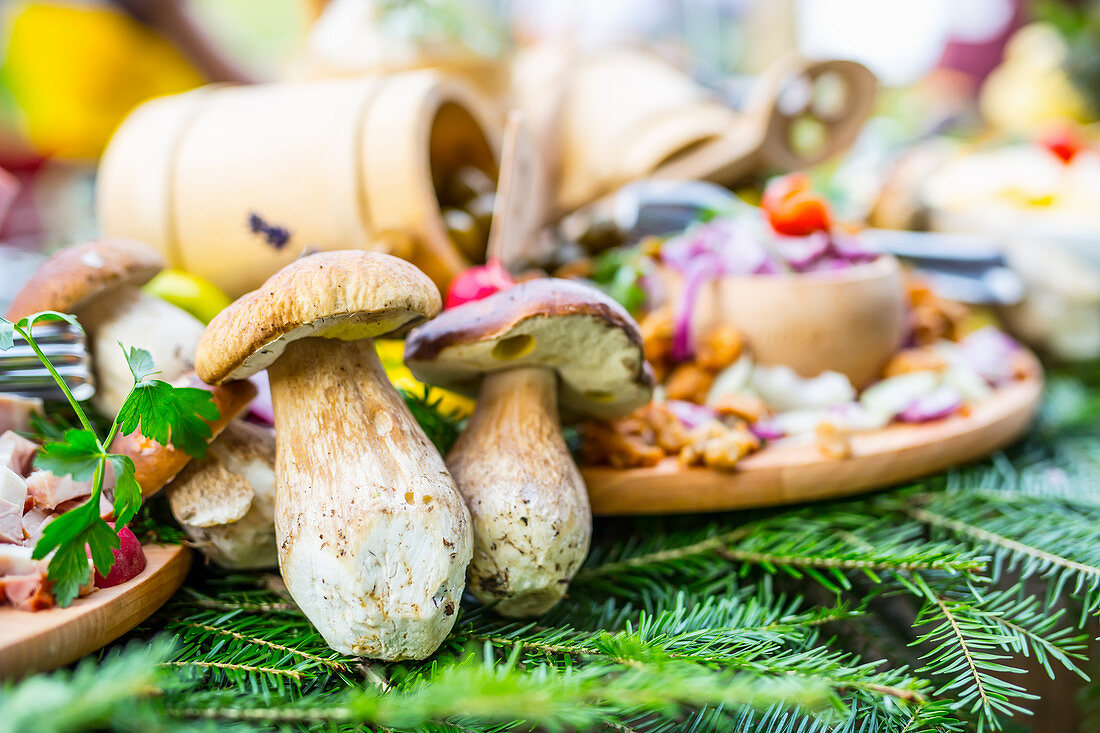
41,641
793,474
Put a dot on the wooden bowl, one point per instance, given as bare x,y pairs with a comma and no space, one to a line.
848,321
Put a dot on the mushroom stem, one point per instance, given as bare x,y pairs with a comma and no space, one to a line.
529,505
373,536
130,316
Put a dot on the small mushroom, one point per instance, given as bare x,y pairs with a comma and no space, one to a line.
226,501
541,345
100,282
373,537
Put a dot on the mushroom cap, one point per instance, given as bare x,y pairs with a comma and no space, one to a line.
78,274
346,294
592,343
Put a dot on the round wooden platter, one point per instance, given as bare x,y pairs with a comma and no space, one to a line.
44,640
792,474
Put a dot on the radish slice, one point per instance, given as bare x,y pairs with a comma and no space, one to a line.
129,561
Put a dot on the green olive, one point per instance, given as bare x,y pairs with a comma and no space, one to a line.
467,183
465,232
481,208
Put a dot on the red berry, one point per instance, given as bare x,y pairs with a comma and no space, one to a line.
478,282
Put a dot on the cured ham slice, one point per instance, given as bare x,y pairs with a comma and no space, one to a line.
11,522
34,524
16,452
28,592
13,497
13,488
16,560
50,490
16,411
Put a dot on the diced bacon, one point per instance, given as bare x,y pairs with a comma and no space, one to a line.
15,411
34,524
50,490
16,452
28,592
13,489
11,522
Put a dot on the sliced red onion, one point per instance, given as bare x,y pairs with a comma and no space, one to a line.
262,410
690,414
990,352
699,271
767,429
937,404
850,249
678,252
802,252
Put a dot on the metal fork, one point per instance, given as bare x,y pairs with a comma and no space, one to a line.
21,372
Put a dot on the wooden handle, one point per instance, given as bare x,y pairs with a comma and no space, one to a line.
516,211
792,91
784,97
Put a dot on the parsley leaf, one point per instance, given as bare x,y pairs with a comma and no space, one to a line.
76,455
73,534
127,490
140,362
162,412
48,316
170,415
7,334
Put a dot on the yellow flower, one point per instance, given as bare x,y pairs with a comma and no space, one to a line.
75,71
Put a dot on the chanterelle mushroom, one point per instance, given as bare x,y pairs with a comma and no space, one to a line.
100,283
373,537
541,344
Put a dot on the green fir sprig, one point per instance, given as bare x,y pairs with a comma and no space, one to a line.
911,610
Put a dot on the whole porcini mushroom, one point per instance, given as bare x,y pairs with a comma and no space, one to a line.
525,352
373,536
100,282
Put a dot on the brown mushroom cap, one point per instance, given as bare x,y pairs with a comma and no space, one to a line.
592,343
346,295
78,274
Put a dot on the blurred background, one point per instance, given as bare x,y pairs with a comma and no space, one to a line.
984,118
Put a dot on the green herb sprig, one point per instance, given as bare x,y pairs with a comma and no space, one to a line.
159,411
